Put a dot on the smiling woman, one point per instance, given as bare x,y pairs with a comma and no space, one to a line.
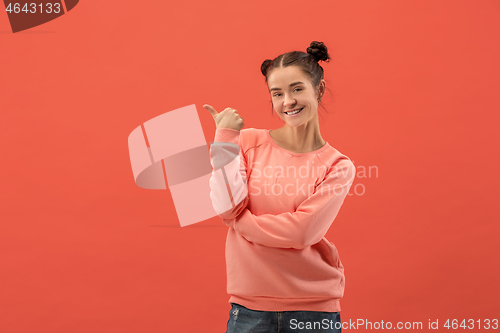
281,269
296,85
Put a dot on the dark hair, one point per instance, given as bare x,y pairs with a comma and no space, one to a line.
307,62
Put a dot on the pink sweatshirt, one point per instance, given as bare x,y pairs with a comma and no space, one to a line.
278,206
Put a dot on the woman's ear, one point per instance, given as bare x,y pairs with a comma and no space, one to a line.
321,89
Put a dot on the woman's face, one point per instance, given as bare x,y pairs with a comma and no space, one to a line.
291,90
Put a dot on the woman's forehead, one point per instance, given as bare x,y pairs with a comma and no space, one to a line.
286,75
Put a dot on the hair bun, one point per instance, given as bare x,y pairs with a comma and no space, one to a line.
319,51
265,66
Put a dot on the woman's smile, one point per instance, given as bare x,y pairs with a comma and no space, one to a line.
294,112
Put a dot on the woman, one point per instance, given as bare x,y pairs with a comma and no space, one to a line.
279,191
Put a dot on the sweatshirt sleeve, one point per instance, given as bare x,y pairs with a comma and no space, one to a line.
228,183
309,223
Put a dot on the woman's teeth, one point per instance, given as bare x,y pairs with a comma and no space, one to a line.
293,112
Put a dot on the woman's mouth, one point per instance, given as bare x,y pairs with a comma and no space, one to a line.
293,113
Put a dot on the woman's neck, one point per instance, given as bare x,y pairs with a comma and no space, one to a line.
301,139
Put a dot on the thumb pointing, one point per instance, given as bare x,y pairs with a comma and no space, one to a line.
210,108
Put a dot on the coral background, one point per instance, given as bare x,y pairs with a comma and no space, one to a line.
413,93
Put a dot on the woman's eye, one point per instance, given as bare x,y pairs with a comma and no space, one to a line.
279,94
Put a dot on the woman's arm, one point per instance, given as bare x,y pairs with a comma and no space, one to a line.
228,184
309,223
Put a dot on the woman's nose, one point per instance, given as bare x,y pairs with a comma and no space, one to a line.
288,101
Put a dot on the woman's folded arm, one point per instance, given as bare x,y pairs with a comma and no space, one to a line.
309,223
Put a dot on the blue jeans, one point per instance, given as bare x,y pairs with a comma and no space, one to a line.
244,320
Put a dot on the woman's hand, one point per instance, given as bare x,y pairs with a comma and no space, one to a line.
229,118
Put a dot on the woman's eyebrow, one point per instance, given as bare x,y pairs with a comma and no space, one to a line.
291,85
